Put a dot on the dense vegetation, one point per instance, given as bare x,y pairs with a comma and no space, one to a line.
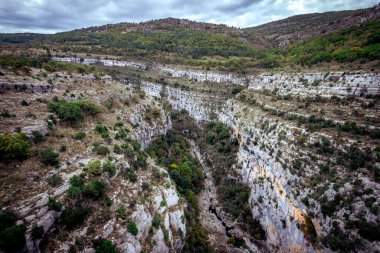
183,42
73,112
215,139
203,48
358,43
173,152
25,63
12,236
14,146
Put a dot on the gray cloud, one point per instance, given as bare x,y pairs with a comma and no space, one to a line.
48,16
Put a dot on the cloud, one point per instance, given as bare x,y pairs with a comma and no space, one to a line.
48,16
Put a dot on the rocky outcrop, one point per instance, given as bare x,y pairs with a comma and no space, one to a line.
201,76
267,178
105,62
167,236
272,191
324,84
145,131
199,105
28,87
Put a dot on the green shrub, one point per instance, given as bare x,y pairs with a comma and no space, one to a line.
107,201
132,175
53,204
102,130
117,149
80,135
100,150
132,227
70,112
54,180
121,134
163,203
74,216
14,146
104,246
93,189
37,232
73,112
156,220
12,236
74,192
109,167
49,157
94,167
121,211
140,161
77,181
310,232
24,103
37,136
236,241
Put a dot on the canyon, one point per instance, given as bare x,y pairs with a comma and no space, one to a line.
279,159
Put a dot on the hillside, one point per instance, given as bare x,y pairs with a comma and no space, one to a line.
300,28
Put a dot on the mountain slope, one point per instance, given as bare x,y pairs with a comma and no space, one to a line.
302,27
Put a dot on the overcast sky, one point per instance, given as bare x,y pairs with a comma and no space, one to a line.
49,16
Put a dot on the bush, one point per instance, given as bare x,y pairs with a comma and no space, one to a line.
14,146
93,189
107,201
37,137
121,134
140,161
117,149
53,204
121,211
132,227
74,192
156,220
24,103
104,246
74,216
109,167
55,180
77,181
73,112
102,130
80,135
100,150
93,167
132,175
236,241
37,232
12,236
49,157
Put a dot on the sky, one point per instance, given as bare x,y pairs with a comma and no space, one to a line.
50,16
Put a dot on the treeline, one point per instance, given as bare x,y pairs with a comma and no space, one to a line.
182,42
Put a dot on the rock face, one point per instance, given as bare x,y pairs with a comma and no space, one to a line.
108,63
324,84
270,182
146,131
166,237
201,76
199,105
256,163
267,151
29,87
